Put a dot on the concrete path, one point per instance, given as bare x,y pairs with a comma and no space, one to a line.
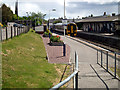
91,75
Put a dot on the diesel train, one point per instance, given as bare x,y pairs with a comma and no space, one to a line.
70,28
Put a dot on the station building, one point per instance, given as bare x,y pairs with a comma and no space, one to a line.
103,23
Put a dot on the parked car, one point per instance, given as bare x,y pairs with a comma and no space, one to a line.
15,25
18,25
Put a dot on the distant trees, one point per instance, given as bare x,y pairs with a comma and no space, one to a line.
7,14
57,21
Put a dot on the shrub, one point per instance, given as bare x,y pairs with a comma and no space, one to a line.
46,33
55,39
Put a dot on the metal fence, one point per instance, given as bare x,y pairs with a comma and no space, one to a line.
110,61
75,73
10,32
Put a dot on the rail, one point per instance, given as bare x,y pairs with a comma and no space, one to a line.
105,58
71,76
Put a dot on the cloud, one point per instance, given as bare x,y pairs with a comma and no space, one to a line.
93,1
74,8
85,9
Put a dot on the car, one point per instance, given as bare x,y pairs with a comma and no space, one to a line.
15,25
20,25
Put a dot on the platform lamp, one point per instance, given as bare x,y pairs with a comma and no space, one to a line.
49,18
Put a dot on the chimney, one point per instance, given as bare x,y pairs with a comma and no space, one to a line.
104,14
113,14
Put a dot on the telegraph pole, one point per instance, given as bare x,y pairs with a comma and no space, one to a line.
16,8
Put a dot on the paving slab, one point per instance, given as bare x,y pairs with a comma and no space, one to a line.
55,53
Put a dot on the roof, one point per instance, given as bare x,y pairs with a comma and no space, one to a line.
100,19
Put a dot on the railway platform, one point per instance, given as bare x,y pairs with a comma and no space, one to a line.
91,75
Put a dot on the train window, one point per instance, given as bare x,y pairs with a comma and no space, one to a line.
69,28
74,27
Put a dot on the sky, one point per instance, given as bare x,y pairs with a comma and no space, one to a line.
74,8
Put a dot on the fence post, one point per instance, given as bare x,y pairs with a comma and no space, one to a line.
14,31
64,49
107,61
11,32
17,31
101,58
20,30
97,56
115,66
76,76
1,33
6,34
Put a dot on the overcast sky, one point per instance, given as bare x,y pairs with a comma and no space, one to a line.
74,8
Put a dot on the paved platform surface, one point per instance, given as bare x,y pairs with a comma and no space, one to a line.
55,53
91,75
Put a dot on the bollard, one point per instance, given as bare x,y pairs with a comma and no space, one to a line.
76,81
11,32
49,35
101,58
115,66
64,49
107,61
6,34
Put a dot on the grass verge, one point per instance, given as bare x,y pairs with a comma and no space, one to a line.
117,71
24,63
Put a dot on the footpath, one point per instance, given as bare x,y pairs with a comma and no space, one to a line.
91,75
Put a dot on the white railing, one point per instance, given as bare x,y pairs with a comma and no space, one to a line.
75,73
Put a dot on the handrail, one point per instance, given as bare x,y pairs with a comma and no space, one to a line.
71,76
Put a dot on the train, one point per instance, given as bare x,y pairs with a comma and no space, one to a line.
70,28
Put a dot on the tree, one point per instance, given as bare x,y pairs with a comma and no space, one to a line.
14,17
7,14
57,21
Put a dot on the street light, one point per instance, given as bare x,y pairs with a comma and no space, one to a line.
64,18
49,17
64,9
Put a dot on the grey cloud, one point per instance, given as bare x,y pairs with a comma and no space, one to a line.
91,8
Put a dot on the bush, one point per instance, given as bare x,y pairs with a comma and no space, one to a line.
46,33
31,30
55,39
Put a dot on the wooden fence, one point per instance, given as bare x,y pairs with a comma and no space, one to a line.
10,32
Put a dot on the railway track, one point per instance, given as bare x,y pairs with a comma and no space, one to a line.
108,47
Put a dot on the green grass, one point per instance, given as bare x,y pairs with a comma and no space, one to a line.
117,71
24,63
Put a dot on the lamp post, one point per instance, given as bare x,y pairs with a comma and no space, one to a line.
49,18
64,9
64,18
27,16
